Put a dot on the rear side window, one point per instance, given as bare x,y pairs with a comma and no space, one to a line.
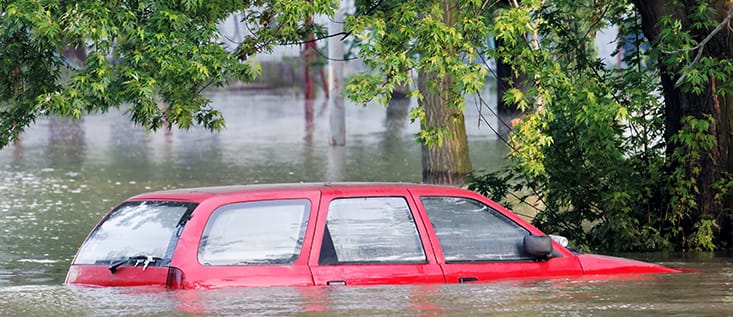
255,233
371,230
470,231
147,228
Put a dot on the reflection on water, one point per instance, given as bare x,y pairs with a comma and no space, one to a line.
64,175
66,142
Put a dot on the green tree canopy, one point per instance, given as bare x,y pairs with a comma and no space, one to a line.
155,56
634,157
443,44
621,157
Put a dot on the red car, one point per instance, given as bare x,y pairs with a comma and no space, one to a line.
323,234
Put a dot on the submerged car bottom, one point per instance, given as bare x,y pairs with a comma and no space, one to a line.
323,234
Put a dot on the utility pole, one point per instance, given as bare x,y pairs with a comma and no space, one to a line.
336,78
337,113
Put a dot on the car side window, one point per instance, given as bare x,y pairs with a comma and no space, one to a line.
371,230
255,233
470,231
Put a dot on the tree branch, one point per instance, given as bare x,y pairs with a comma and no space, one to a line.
699,47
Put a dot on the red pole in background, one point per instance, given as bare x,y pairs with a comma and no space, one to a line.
309,48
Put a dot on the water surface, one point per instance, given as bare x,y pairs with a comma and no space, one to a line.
707,292
64,175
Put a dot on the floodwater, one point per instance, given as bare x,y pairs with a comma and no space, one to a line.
64,175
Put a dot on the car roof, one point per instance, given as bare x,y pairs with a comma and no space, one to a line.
202,193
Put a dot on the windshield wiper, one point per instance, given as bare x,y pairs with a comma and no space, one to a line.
145,260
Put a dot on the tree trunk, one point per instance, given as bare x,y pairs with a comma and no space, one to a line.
725,142
679,104
505,80
448,163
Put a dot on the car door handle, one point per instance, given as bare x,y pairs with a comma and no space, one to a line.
336,283
467,279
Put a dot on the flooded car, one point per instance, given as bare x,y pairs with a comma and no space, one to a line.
323,234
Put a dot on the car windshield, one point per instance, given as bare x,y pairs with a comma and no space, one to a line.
146,228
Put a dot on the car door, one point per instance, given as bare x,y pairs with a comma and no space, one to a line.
478,240
371,237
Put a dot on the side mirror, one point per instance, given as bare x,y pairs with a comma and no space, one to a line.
538,246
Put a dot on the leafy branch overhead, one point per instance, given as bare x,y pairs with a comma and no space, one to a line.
627,156
398,39
631,156
725,24
156,56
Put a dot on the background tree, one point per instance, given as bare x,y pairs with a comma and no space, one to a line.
634,157
441,42
158,56
155,56
628,157
695,50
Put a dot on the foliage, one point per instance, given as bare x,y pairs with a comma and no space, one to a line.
155,56
680,45
591,148
598,151
587,146
399,38
496,185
